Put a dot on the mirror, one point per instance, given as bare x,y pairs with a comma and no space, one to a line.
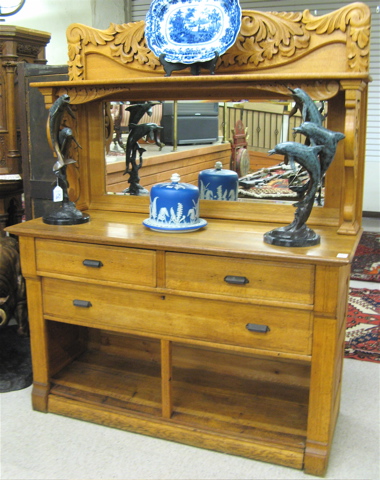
193,135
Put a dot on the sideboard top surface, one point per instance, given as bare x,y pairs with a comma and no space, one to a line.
220,237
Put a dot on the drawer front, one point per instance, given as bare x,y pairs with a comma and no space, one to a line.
142,312
287,283
117,264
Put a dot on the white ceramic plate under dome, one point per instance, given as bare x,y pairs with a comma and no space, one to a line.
167,228
189,31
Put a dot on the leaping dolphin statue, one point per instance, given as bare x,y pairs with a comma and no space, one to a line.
307,157
56,113
306,106
321,136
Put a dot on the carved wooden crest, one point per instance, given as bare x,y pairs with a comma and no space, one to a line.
266,40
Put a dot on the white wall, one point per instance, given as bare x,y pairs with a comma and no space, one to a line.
54,16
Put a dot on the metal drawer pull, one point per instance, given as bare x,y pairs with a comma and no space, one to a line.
235,280
254,327
92,263
82,303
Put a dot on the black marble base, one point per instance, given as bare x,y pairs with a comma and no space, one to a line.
65,213
136,190
288,237
15,360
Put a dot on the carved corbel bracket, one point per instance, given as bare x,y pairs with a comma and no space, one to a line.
85,94
354,131
316,89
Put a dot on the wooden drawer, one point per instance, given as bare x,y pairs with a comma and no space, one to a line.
117,264
284,282
174,316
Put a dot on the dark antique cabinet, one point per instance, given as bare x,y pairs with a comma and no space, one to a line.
154,340
37,156
17,45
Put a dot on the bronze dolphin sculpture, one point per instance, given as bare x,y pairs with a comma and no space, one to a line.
65,139
308,109
56,113
138,110
321,136
137,132
307,157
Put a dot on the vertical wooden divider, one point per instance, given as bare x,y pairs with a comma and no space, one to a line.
166,378
166,346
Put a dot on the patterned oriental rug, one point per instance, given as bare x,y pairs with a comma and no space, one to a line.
366,264
363,325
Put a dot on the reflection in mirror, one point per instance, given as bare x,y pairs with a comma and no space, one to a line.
194,135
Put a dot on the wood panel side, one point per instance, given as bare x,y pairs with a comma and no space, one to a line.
326,366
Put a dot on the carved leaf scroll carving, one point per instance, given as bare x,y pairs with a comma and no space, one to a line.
269,38
79,36
266,39
264,35
316,90
357,17
87,94
126,42
130,45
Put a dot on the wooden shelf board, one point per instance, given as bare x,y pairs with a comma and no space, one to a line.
251,403
111,380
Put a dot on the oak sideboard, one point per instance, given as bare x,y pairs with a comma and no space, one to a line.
142,330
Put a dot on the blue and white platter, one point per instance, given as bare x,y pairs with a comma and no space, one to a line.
189,31
157,227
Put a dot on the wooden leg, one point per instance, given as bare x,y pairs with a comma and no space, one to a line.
38,337
326,366
40,396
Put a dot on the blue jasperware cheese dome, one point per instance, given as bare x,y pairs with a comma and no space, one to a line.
174,206
218,184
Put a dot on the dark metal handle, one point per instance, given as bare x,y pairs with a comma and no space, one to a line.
82,303
92,263
235,280
254,327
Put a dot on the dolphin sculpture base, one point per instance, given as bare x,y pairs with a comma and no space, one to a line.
292,237
65,213
136,189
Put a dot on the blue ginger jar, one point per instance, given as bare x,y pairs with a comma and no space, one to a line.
218,184
174,207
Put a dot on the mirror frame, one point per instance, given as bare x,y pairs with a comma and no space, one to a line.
107,65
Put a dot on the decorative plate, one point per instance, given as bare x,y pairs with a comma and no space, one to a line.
175,228
189,31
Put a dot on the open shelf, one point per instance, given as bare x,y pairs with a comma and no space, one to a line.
97,377
236,395
252,399
90,366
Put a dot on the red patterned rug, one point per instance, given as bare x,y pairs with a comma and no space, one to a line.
363,325
366,264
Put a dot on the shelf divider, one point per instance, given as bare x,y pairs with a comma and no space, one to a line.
166,378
